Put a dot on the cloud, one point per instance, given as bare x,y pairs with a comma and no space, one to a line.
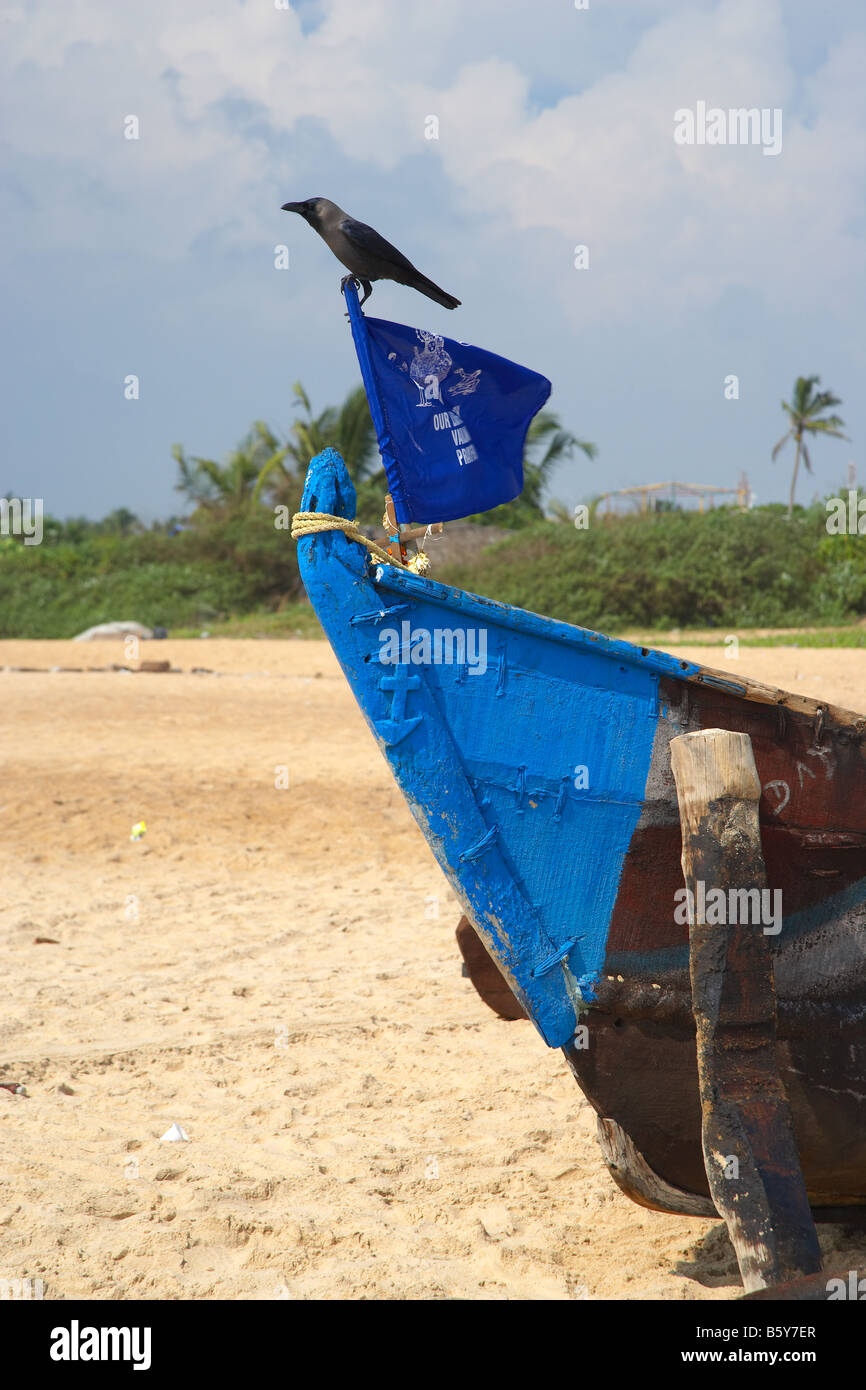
225,98
666,222
555,128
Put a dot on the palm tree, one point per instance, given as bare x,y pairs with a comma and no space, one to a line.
347,428
225,489
547,444
805,412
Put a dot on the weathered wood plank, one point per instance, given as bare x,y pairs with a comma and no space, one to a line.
751,1159
633,1175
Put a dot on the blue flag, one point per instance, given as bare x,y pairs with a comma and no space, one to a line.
450,418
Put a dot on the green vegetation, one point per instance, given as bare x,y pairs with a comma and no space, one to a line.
292,620
230,565
724,568
347,428
760,637
64,585
724,571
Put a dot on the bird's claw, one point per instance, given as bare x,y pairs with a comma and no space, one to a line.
359,285
348,280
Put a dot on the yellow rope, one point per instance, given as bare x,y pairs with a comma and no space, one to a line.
308,523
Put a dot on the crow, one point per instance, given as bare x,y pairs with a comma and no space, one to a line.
364,252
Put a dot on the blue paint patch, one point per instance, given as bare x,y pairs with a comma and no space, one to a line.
400,581
488,758
564,712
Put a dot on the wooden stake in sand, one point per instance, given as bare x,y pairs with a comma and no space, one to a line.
751,1159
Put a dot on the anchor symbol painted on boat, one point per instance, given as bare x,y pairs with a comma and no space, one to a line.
400,682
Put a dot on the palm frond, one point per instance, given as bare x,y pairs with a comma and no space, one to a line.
558,511
781,444
542,424
803,393
829,426
356,434
824,400
276,461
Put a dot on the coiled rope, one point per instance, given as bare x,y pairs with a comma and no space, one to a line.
308,523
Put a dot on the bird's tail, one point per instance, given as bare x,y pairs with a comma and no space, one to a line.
433,292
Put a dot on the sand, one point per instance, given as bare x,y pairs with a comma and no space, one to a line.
274,969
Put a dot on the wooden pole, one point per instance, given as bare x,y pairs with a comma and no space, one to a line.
750,1156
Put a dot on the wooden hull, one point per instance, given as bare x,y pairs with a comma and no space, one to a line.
538,768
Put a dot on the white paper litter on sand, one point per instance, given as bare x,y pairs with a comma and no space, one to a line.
174,1134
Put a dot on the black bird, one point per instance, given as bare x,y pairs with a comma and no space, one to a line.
364,252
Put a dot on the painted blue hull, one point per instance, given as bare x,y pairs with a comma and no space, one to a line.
536,763
490,758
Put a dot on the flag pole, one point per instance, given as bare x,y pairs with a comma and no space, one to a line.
362,348
368,377
383,438
397,532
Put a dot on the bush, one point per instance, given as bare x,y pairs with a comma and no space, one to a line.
724,568
215,569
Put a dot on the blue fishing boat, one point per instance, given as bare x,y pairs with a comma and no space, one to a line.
534,756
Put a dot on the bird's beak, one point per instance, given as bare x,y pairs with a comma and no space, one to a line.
290,207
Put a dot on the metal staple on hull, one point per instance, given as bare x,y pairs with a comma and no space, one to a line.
559,955
378,615
475,851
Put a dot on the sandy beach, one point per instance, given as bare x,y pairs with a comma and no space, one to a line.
273,968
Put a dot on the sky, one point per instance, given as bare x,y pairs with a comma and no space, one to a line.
156,257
